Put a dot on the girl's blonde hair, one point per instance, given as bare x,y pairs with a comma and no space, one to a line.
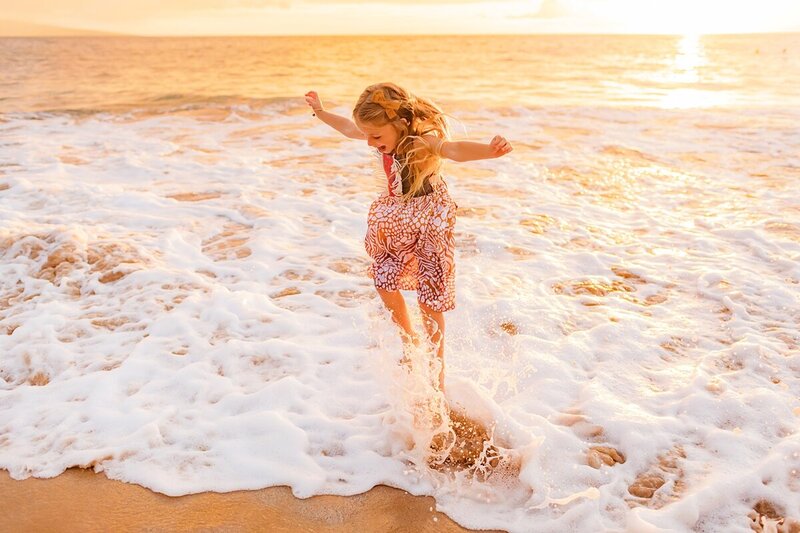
412,117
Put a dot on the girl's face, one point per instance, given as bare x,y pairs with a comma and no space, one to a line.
384,138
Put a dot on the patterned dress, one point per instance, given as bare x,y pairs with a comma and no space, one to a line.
411,242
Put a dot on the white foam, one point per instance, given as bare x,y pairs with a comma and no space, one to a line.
242,346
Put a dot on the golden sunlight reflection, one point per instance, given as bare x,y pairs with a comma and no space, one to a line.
686,69
682,76
689,57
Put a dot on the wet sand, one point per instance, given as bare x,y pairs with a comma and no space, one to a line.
81,500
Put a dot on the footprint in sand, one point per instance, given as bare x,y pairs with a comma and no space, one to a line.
766,517
597,456
600,455
647,484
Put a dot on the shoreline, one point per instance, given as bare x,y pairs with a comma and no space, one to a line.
82,500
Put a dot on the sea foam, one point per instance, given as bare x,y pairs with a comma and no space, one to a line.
184,306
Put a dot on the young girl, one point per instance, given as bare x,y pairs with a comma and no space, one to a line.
410,226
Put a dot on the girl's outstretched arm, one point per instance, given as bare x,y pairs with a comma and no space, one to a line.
341,124
471,151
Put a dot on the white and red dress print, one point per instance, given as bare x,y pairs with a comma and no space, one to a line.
411,242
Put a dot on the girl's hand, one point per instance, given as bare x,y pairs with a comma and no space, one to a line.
500,146
313,101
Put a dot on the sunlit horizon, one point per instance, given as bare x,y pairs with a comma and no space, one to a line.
446,17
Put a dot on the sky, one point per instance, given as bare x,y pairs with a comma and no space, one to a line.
351,17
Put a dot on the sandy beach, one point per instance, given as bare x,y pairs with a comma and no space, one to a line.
81,500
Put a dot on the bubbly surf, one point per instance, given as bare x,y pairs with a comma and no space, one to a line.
184,302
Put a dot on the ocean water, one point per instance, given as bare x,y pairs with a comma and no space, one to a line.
184,305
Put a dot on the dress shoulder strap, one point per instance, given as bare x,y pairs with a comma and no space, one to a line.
393,182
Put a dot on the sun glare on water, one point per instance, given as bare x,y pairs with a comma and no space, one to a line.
685,72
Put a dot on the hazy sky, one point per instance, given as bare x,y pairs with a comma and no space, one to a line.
309,17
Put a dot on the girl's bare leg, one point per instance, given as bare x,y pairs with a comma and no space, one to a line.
397,306
434,327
